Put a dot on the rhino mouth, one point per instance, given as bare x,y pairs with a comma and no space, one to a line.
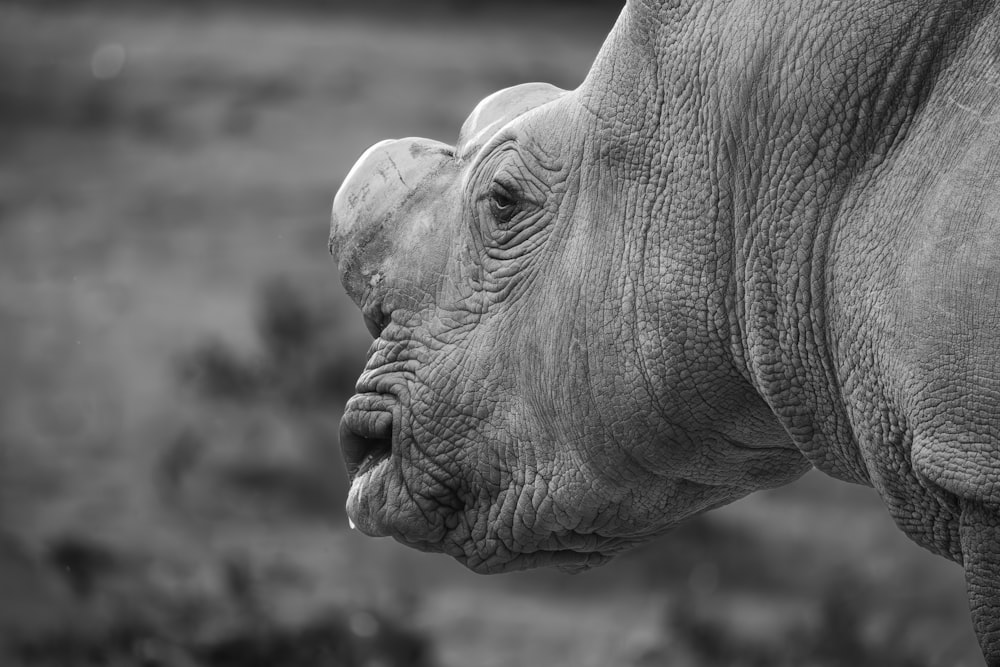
366,443
372,447
365,436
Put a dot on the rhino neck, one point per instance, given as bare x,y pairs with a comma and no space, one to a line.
809,116
743,127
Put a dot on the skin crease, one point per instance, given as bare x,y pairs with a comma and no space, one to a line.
756,238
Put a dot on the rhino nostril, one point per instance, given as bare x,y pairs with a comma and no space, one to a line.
375,324
365,439
375,315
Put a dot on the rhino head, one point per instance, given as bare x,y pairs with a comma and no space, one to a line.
556,373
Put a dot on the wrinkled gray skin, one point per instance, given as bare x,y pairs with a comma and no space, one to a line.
757,238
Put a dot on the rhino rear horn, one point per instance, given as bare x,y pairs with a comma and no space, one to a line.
499,109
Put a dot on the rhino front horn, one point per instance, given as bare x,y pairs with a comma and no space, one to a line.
387,216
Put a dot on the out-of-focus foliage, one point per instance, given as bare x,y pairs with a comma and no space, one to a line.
301,361
134,619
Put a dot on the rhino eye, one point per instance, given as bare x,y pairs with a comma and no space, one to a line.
504,205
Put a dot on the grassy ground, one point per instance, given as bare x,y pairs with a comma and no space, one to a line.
177,351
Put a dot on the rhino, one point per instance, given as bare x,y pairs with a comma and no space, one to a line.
759,237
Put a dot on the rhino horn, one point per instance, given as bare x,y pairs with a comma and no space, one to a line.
499,109
390,205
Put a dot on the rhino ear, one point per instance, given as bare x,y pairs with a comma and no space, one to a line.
500,108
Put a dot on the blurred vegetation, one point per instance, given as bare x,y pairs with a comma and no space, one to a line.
301,362
177,353
273,450
841,629
134,620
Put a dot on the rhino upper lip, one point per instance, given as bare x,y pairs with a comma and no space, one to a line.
365,436
366,429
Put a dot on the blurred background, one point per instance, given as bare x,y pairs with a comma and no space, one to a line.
176,352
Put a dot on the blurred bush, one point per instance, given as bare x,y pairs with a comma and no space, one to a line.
302,362
840,628
131,620
254,443
260,424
